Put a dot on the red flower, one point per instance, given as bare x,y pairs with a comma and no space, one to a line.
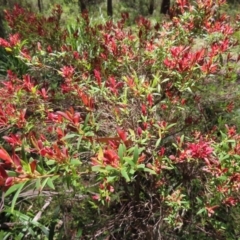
122,134
4,43
200,149
5,156
150,99
3,176
113,85
67,71
231,201
110,157
210,210
231,131
13,140
97,75
144,109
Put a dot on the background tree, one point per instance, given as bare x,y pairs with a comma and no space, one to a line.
2,30
165,6
151,7
39,3
82,6
109,8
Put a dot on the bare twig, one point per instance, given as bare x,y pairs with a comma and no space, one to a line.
39,214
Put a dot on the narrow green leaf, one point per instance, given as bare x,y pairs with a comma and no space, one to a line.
86,121
68,136
42,227
201,211
78,143
12,189
158,142
110,179
129,161
125,175
149,170
96,168
50,183
44,183
120,152
141,166
75,162
16,195
135,154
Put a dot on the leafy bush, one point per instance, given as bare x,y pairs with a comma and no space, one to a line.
126,133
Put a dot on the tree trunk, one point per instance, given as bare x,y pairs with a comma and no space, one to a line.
109,8
151,7
82,6
165,7
2,30
39,3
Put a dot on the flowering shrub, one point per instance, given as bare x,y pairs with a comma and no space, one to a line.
133,127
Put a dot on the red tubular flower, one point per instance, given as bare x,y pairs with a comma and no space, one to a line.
97,75
67,71
150,99
4,43
144,109
230,201
110,157
122,134
3,176
200,149
13,140
5,156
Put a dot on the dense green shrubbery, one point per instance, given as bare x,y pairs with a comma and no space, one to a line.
130,133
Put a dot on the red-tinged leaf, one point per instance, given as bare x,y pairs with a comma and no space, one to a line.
16,160
65,151
3,174
5,156
63,114
97,76
12,139
34,141
60,133
58,153
40,144
122,134
9,181
33,165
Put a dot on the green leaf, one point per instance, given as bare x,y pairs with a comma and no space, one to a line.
111,179
50,162
68,136
110,168
149,170
11,173
125,175
20,187
121,152
79,233
129,161
158,142
86,121
43,183
38,183
135,155
201,211
50,183
12,189
75,162
141,166
79,142
96,168
132,171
